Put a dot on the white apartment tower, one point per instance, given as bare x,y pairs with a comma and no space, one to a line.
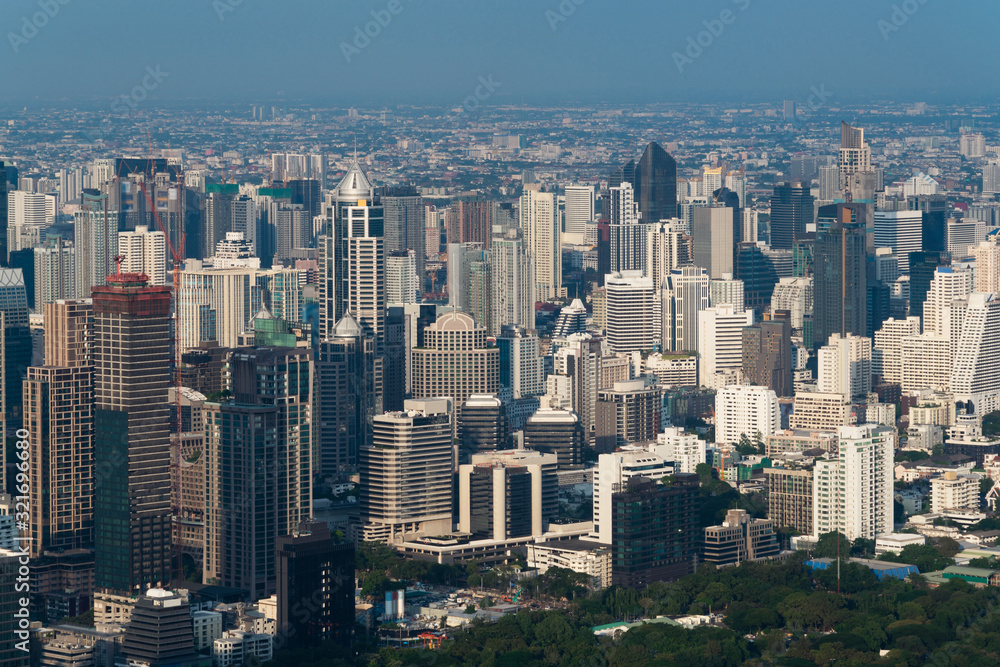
720,344
401,282
902,231
634,312
845,366
579,211
745,410
853,491
145,252
975,377
925,362
540,222
987,256
949,285
886,349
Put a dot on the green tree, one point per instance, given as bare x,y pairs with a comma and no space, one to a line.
863,548
826,546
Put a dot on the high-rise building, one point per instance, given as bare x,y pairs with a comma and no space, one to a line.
472,221
454,361
143,251
972,145
3,214
55,271
28,214
131,350
614,470
483,426
791,212
406,472
627,231
758,268
500,500
726,290
512,279
627,412
790,497
852,493
315,570
975,379
572,319
745,411
578,361
15,346
59,413
292,226
521,367
461,258
923,267
657,537
886,348
829,182
688,293
840,283
541,225
579,211
665,249
949,285
767,353
845,366
404,224
402,283
796,296
216,304
987,256
720,344
345,401
258,448
634,312
926,362
559,432
855,154
714,241
160,632
991,177
901,231
95,239
656,184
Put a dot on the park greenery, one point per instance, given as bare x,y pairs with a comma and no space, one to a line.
776,613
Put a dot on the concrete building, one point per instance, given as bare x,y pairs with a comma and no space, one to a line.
406,473
726,290
455,361
745,411
634,312
887,362
687,293
685,450
216,304
582,556
740,538
975,378
767,353
816,411
793,441
845,366
237,647
790,497
559,432
720,343
59,413
853,493
902,231
512,273
627,231
144,251
577,362
674,370
948,285
547,464
926,362
951,492
402,282
259,445
713,234
627,413
614,469
540,221
500,500
579,210
160,631
987,255
521,367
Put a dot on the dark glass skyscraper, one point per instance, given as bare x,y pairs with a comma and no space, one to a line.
656,184
841,285
791,210
131,433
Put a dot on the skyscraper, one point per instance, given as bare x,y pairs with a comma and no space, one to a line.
404,224
513,284
55,271
58,401
634,312
840,287
258,472
345,402
579,211
541,225
901,231
95,239
3,214
767,354
472,221
852,493
720,344
745,411
402,284
714,242
975,378
656,184
688,293
15,345
855,154
406,472
131,433
628,234
791,211
559,432
143,252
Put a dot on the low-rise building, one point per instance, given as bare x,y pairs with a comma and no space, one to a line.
951,491
583,556
894,542
235,647
740,538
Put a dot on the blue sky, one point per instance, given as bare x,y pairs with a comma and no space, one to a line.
540,51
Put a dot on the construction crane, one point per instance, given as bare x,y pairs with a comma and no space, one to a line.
177,253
